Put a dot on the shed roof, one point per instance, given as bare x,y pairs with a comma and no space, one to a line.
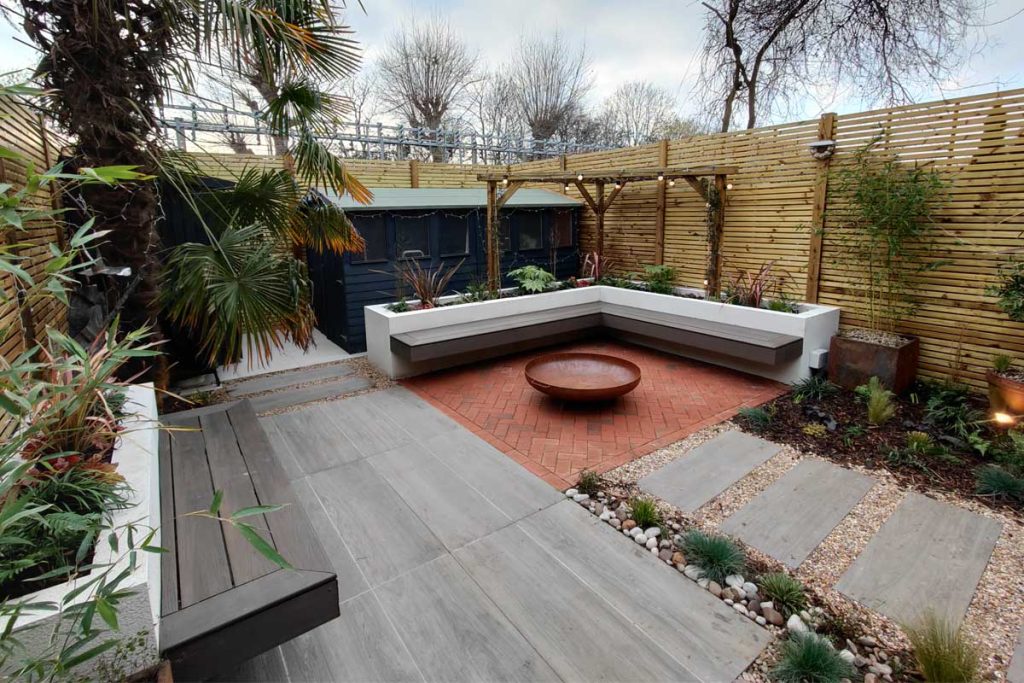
411,199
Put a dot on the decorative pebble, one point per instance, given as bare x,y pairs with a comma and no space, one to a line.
734,581
665,543
796,625
569,493
628,524
693,571
715,589
740,593
761,620
640,539
703,582
615,522
767,604
636,531
653,532
652,544
581,497
847,656
665,554
729,602
654,551
678,558
773,616
740,608
749,588
605,516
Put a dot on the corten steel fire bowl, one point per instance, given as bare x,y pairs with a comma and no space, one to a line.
582,376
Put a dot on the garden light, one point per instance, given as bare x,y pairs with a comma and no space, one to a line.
579,177
672,183
728,186
661,177
1004,419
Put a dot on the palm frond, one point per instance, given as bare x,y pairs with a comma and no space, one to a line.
238,291
322,226
301,105
318,166
258,196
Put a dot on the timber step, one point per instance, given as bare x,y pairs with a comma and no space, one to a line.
292,378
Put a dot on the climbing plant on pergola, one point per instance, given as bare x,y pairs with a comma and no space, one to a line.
709,182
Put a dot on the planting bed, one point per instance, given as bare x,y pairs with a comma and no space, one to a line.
849,439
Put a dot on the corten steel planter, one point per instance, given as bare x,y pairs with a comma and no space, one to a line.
1005,395
853,362
582,377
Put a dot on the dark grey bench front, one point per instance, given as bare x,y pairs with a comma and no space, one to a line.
529,330
222,602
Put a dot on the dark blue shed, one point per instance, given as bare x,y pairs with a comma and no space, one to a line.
439,227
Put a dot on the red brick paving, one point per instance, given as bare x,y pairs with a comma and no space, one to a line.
556,441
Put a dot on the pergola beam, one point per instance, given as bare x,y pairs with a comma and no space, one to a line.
623,175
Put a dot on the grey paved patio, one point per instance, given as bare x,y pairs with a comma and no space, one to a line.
456,564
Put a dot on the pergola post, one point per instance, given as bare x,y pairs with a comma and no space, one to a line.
493,282
599,210
659,216
714,272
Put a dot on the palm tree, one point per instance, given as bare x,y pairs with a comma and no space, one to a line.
108,63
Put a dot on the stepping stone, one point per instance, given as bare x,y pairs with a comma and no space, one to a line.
1015,674
697,477
928,555
316,392
283,380
795,514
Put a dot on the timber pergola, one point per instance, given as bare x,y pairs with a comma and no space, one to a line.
501,187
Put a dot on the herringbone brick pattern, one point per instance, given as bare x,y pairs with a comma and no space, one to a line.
556,441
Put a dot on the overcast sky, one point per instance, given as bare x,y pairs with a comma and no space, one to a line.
656,40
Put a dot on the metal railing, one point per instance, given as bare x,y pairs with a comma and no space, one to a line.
222,128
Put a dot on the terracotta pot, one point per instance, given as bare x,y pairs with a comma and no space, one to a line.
852,362
1005,395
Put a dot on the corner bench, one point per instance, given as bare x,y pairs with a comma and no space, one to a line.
222,602
496,336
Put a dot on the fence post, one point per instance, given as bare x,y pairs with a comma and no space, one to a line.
826,131
659,217
414,173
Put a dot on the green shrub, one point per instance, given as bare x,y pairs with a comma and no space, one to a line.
943,653
996,482
589,482
814,388
645,512
1009,451
786,592
532,279
1001,363
660,279
950,408
716,555
879,401
815,429
920,448
758,419
810,658
1010,290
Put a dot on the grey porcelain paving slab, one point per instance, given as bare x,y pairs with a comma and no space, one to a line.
512,488
706,635
415,414
694,479
451,508
263,383
385,536
1015,674
350,578
265,668
927,555
577,632
287,398
368,423
358,646
792,516
454,631
315,442
282,447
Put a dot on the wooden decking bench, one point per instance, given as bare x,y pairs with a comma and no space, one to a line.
222,602
671,332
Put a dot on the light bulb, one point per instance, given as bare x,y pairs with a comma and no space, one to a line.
728,186
661,177
579,177
672,183
618,186
567,187
1004,419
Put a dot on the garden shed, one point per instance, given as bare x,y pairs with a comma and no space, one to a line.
437,227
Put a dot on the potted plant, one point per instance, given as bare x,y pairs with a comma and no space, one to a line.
885,235
1005,386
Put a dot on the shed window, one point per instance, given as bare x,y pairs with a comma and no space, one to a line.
374,232
412,237
531,232
562,231
454,236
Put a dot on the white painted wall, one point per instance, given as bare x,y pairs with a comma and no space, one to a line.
136,457
815,324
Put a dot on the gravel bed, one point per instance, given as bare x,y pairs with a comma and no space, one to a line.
875,337
995,615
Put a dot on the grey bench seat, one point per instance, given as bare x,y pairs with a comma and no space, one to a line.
529,330
222,602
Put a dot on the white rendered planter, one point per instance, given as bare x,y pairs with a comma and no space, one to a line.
813,323
136,456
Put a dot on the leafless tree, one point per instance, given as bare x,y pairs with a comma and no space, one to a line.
551,79
638,112
492,112
759,53
424,72
361,95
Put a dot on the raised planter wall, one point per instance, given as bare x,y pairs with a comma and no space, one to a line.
136,458
814,324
